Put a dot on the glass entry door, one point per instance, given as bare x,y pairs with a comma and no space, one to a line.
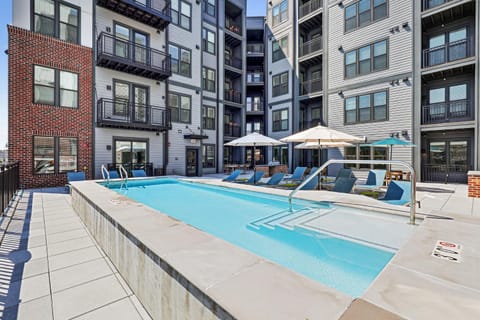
192,162
140,100
448,160
131,154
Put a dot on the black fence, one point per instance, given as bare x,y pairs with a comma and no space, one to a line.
9,183
445,173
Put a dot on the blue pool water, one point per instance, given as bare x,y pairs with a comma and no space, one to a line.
226,213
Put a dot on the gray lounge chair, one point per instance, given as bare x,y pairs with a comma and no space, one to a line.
344,185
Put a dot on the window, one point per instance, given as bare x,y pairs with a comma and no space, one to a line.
60,20
181,60
208,118
280,120
55,87
365,108
208,156
366,153
130,101
279,49
365,60
180,107
54,154
209,7
208,41
208,77
131,152
363,12
280,13
131,44
280,84
181,12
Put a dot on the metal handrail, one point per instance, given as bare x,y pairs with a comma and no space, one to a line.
105,172
122,171
413,200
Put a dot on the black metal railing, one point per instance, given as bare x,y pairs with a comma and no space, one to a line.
120,54
448,52
124,113
456,173
233,62
311,46
429,4
231,130
255,77
308,7
459,110
255,105
310,86
129,166
232,95
232,26
9,184
255,48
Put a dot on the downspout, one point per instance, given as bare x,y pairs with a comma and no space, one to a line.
294,77
165,135
94,104
217,76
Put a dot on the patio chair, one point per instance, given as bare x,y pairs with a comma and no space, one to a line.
312,184
254,178
136,173
297,174
374,181
234,175
74,176
398,193
344,185
113,174
274,180
342,173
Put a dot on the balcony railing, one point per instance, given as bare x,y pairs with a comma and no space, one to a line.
310,47
125,114
233,62
231,130
448,52
451,111
255,77
445,173
9,184
232,96
255,48
255,105
310,86
307,124
233,26
429,4
155,13
133,58
307,8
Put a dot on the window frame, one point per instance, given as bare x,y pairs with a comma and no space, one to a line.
357,15
372,107
179,60
371,156
206,81
280,111
280,85
371,58
56,19
56,87
205,42
180,15
280,13
205,147
56,155
179,107
282,51
207,5
205,118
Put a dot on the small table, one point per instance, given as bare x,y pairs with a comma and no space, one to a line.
395,175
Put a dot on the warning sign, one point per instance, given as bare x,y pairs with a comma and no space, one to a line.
447,251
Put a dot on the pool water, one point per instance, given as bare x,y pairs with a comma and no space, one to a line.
234,215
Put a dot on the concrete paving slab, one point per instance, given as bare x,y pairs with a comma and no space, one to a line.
119,310
73,257
30,269
363,310
64,227
40,308
26,290
61,221
37,241
69,245
67,235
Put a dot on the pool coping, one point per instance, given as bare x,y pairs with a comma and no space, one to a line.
285,294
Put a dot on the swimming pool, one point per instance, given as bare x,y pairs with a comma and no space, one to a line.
259,223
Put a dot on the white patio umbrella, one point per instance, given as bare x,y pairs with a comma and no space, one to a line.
256,140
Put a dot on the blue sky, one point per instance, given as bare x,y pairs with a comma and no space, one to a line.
254,8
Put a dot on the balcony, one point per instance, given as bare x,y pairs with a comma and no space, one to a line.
307,124
452,111
232,130
310,47
255,49
449,52
129,115
309,7
252,127
155,13
429,4
232,26
255,78
310,86
232,96
233,62
255,106
118,54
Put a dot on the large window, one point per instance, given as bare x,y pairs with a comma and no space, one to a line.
367,107
366,153
280,120
208,118
280,13
181,12
208,41
280,84
367,59
54,154
180,107
56,19
208,79
209,7
181,60
280,48
130,152
363,12
208,156
55,87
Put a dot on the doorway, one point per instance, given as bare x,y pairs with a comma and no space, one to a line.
192,162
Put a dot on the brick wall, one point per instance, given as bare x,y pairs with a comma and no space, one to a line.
26,119
474,185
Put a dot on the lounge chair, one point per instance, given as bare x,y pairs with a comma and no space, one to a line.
234,175
344,185
312,184
113,174
398,193
297,174
274,180
342,173
254,178
74,176
374,181
138,173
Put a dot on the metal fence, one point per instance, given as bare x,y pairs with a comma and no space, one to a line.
445,173
9,183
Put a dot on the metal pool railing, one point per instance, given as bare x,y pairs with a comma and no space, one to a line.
9,184
413,200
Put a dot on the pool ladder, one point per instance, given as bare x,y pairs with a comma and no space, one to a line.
123,176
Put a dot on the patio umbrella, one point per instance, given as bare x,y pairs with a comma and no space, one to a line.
392,142
256,140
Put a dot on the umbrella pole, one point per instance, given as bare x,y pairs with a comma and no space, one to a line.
254,166
319,186
391,153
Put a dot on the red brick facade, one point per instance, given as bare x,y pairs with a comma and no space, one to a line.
26,119
474,185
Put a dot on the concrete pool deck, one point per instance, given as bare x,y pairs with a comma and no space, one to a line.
414,285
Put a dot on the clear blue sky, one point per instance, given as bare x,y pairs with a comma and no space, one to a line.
254,8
